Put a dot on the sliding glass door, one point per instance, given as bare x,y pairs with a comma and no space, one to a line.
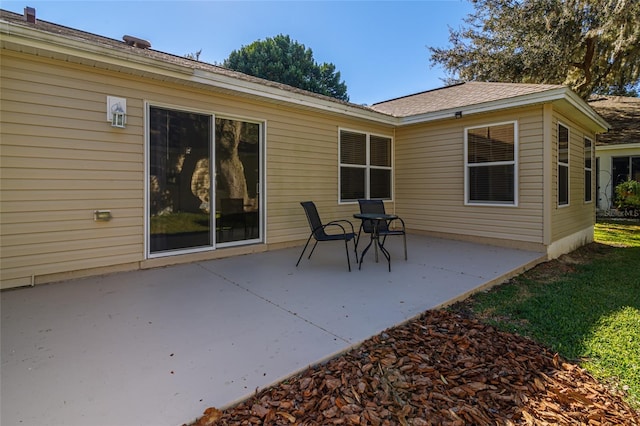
204,181
237,186
179,169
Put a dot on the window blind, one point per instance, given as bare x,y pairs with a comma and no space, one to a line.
353,148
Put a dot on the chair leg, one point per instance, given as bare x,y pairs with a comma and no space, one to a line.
303,250
404,236
312,249
356,240
355,249
405,245
346,248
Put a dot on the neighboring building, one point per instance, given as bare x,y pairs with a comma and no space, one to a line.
117,157
618,151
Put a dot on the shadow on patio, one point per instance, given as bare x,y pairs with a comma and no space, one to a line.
159,346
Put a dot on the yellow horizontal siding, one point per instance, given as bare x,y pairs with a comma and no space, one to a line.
578,215
65,142
71,261
65,236
56,173
61,160
69,194
71,154
430,180
303,165
46,175
45,249
72,162
52,226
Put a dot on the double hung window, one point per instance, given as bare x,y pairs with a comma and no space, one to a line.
588,171
365,166
491,164
563,165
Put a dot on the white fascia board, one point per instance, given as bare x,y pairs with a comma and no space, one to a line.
617,146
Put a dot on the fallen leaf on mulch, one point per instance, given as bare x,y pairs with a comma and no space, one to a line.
440,369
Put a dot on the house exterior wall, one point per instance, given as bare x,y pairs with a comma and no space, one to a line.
430,182
571,225
61,160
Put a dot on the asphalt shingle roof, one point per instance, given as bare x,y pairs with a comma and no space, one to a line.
459,95
623,115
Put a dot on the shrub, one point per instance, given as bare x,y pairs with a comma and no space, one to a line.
628,195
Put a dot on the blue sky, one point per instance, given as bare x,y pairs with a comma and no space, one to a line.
380,48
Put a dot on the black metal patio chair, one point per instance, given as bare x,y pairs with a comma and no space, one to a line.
384,228
318,231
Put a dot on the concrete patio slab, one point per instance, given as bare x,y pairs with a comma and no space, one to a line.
157,347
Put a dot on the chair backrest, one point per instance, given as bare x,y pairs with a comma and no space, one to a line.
314,219
372,206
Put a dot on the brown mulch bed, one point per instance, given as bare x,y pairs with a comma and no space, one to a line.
439,369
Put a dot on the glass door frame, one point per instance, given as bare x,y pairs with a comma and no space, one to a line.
261,179
147,176
212,190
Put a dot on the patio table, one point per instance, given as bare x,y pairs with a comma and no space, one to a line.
375,219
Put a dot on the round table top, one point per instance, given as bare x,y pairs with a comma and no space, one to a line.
375,216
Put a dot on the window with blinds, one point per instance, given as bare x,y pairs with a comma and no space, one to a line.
365,166
563,165
490,164
588,170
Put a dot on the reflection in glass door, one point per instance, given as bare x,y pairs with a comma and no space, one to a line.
237,180
179,180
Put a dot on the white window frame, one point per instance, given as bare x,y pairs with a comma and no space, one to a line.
561,164
514,162
588,169
367,166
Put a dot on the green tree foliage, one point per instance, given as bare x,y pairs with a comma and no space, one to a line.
628,195
286,61
593,46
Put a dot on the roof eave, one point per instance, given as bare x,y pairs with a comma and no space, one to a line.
547,96
618,146
93,54
279,95
582,106
61,46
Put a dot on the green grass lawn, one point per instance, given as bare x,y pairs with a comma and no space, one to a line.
585,306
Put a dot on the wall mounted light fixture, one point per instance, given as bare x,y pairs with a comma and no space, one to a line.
458,114
117,111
